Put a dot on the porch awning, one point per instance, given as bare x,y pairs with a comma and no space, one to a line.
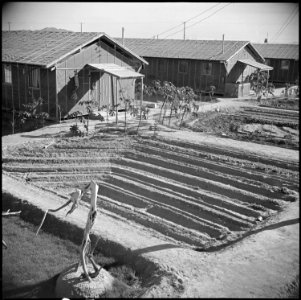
117,71
255,64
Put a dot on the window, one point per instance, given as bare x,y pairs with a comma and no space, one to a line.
183,66
7,73
34,77
206,68
285,64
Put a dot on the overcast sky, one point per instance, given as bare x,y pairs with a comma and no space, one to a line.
237,21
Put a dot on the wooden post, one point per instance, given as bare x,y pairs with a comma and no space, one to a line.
257,80
267,87
141,97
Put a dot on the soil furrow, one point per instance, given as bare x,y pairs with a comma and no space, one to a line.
195,209
201,183
222,168
231,153
204,173
165,212
184,191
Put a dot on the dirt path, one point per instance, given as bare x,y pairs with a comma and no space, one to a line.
261,265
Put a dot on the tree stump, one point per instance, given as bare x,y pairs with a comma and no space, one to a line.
70,284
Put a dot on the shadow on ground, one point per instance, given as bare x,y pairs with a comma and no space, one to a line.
269,227
43,289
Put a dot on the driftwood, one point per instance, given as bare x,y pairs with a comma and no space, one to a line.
8,213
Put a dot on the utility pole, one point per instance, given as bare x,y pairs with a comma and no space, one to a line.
81,26
9,26
157,36
122,36
184,29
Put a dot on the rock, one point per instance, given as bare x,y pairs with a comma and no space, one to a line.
259,218
70,284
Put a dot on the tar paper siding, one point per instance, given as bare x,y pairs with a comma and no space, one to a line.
19,92
167,69
278,75
101,87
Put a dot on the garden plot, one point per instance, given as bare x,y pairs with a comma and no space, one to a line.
253,123
196,195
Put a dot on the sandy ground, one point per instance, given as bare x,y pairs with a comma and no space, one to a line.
261,265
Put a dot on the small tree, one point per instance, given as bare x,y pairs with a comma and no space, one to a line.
176,97
259,83
187,95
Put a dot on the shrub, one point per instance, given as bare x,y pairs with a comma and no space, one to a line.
74,129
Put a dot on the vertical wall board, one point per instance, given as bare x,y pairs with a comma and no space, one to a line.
167,68
19,89
244,53
87,55
296,71
44,89
48,92
275,71
66,84
25,72
127,86
197,75
4,100
15,86
52,93
8,95
60,76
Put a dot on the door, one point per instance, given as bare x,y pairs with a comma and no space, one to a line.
95,87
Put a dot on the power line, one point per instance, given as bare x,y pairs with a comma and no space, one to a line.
189,19
203,12
200,20
285,24
209,15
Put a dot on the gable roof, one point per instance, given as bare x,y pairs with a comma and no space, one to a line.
45,48
278,51
187,49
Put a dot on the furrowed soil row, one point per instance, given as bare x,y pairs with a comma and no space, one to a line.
54,168
272,111
254,167
201,183
167,212
203,173
55,160
211,200
211,150
193,208
162,183
163,226
211,165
